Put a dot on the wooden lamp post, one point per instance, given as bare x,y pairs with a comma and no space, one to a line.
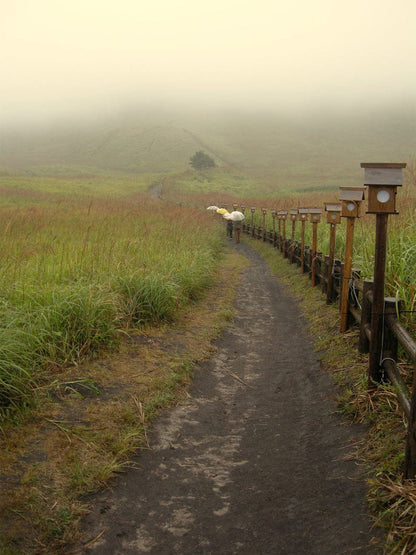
253,209
293,214
273,212
351,198
283,216
315,218
303,216
279,230
264,211
382,180
333,217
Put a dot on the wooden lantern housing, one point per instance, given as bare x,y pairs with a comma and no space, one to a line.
315,214
303,214
351,198
382,180
293,215
333,211
282,214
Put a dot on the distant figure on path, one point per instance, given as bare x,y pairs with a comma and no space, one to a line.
237,229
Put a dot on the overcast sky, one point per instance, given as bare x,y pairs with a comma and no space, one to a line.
68,57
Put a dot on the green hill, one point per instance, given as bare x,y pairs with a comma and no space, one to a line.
285,151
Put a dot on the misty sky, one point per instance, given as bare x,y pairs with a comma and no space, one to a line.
68,57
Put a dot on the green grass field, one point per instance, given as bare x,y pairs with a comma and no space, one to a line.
84,259
279,152
89,256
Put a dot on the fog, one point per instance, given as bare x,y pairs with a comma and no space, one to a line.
65,60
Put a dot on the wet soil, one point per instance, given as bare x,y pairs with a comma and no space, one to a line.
255,461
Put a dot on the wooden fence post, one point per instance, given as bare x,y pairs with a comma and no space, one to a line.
264,210
410,460
303,215
346,274
382,180
314,247
377,312
336,279
252,209
330,263
318,267
302,248
364,342
315,217
279,233
284,237
325,275
307,260
333,219
292,241
390,343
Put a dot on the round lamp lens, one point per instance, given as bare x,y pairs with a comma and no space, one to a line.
383,196
333,216
350,206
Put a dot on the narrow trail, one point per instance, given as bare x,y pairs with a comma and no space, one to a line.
256,461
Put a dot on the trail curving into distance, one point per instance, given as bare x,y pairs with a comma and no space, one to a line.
255,462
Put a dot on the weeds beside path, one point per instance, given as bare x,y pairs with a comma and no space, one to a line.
94,418
255,460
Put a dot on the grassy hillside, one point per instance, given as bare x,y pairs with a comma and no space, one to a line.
279,151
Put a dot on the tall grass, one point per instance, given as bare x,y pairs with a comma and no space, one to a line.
219,187
76,272
401,243
80,263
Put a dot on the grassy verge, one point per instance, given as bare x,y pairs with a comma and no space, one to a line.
76,274
391,501
95,416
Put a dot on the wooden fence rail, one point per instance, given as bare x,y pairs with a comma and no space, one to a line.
360,301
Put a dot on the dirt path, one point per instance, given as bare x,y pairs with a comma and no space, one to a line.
255,460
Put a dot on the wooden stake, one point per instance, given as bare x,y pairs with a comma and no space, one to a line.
314,249
330,263
292,239
376,345
302,248
346,276
284,239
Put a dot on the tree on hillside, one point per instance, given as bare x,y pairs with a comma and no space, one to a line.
201,161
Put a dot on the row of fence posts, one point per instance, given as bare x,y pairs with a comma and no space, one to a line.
380,331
